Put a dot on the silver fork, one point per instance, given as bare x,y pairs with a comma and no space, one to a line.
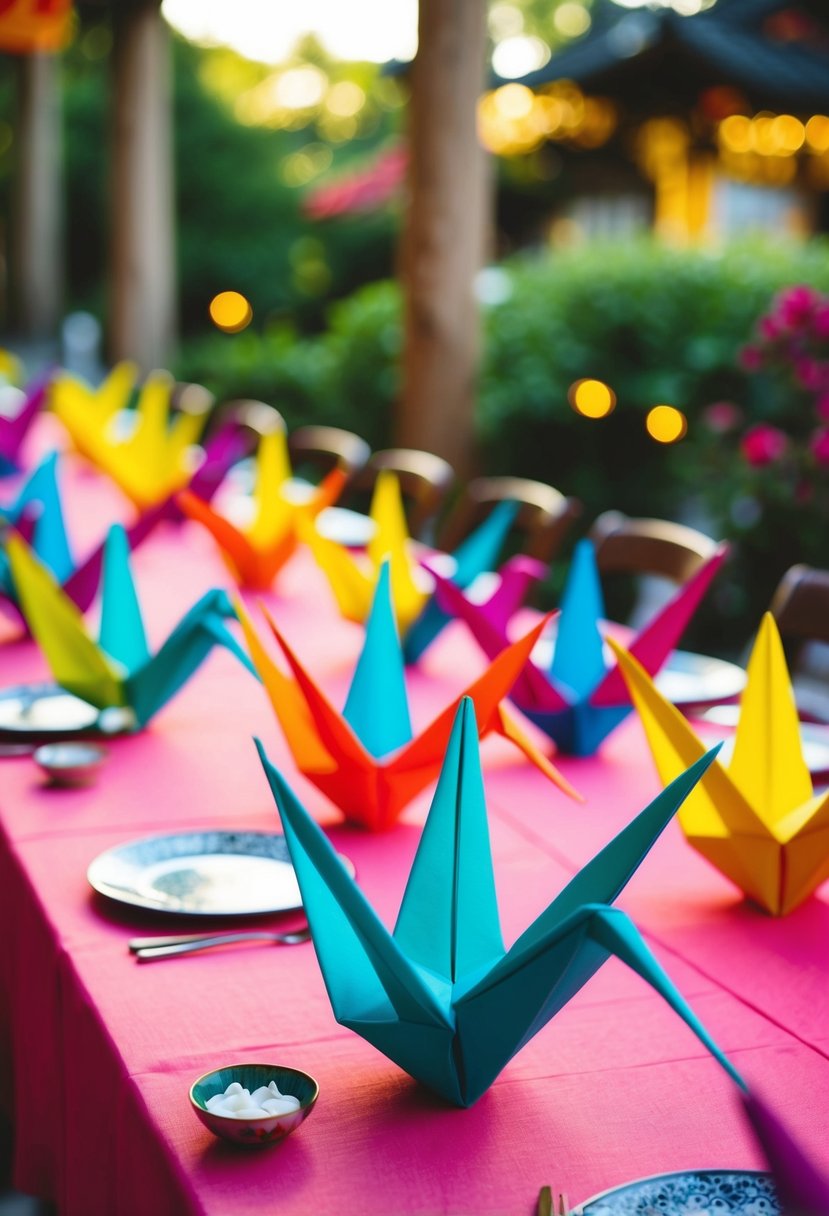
146,949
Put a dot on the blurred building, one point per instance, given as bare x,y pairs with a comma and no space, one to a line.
699,121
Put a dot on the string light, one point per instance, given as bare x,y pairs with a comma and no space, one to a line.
666,424
230,312
592,398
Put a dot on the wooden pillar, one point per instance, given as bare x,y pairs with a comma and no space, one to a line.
143,306
37,254
445,230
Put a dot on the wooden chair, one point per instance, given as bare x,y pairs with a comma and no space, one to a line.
192,398
544,515
425,481
322,448
800,605
649,546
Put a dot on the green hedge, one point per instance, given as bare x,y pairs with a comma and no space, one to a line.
658,325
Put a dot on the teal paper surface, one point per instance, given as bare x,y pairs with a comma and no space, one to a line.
40,496
441,996
377,707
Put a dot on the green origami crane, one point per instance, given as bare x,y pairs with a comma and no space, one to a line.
441,995
118,670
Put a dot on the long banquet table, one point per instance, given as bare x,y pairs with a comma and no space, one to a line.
97,1052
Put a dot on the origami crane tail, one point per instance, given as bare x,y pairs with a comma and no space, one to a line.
122,633
202,628
221,452
516,577
366,973
653,645
40,501
507,726
77,663
617,934
352,588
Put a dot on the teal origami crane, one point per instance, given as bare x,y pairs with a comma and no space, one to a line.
118,670
37,512
441,996
578,696
474,557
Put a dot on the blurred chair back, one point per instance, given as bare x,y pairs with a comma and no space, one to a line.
800,605
192,398
649,546
425,481
316,450
544,514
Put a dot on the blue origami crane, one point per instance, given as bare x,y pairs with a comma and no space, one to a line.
118,670
441,996
578,697
476,556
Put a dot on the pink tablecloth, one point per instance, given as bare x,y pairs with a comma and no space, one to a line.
97,1053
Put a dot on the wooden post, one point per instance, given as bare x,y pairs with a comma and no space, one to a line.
143,305
444,239
37,256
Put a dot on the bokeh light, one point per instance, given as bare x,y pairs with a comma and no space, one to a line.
592,398
230,312
666,424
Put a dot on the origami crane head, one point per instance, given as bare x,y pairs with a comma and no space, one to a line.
578,698
256,554
365,759
117,670
757,819
441,996
474,562
15,427
151,460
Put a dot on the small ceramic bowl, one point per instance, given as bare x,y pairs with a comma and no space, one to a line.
70,763
251,1132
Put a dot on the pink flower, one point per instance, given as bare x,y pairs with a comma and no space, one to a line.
808,372
820,321
751,358
723,416
769,328
822,407
794,306
763,444
819,445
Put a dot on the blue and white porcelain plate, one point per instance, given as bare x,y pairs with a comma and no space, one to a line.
689,1193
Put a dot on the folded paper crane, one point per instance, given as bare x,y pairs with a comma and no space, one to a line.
578,698
37,515
365,759
145,451
15,427
257,553
757,819
441,996
353,576
473,563
118,670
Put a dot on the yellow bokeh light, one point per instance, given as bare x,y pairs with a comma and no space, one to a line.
345,99
571,19
513,101
788,133
592,398
666,424
230,311
735,133
817,133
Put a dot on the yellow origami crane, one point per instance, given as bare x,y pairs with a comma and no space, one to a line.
353,578
256,554
757,820
149,461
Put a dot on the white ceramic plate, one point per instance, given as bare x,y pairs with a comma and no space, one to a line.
201,874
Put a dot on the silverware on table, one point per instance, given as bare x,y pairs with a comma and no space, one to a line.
146,949
546,1206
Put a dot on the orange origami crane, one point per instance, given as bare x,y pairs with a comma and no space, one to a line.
353,577
757,820
365,759
149,459
257,553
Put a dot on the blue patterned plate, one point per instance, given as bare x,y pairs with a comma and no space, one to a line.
697,1192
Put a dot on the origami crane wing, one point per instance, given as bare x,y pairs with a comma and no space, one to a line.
152,685
474,556
774,847
77,663
352,584
14,429
440,996
656,641
86,412
40,498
